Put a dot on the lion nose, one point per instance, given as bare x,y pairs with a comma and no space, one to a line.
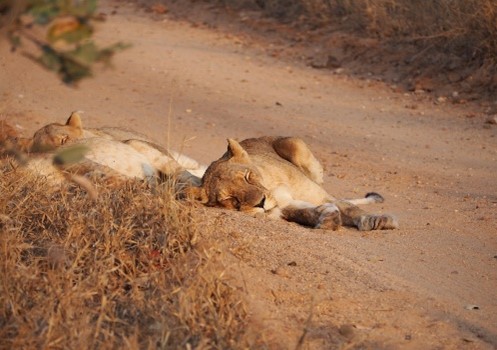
261,203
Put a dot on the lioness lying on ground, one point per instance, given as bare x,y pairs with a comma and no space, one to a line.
110,152
54,135
280,176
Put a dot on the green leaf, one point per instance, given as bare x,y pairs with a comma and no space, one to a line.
44,11
86,53
106,54
50,59
70,155
72,71
81,8
71,35
76,64
15,41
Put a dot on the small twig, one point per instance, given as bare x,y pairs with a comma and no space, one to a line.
43,45
83,182
306,327
446,34
32,38
420,53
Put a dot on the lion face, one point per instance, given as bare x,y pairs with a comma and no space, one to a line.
233,182
54,135
234,186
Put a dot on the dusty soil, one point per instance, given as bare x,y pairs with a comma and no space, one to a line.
430,284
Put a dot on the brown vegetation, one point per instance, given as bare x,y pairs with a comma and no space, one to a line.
466,27
129,269
447,47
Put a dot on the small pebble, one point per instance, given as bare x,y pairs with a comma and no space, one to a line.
347,331
492,120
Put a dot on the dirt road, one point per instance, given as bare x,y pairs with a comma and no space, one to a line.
430,284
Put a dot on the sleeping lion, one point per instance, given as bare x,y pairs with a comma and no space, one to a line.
280,176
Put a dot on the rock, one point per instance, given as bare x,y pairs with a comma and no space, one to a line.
491,120
159,8
325,62
347,331
454,77
425,84
282,271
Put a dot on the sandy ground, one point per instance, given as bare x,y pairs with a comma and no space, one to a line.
430,284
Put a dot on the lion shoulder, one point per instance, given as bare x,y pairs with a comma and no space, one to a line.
289,155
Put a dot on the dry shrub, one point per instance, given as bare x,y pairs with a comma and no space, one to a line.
465,27
127,270
447,47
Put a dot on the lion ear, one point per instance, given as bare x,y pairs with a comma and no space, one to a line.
197,193
75,120
237,152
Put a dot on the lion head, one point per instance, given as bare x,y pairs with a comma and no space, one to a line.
233,182
54,135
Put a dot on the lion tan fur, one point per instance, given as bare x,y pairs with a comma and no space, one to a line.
281,177
165,161
109,152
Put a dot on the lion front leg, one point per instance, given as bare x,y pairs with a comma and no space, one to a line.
352,215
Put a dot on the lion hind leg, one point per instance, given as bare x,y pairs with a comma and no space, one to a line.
326,216
297,152
158,159
189,164
354,216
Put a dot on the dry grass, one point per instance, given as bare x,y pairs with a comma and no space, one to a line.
127,270
463,26
448,45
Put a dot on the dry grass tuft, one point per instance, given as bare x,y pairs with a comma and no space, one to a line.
469,22
126,270
467,27
463,26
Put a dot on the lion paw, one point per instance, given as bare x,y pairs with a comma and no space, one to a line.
329,218
377,222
